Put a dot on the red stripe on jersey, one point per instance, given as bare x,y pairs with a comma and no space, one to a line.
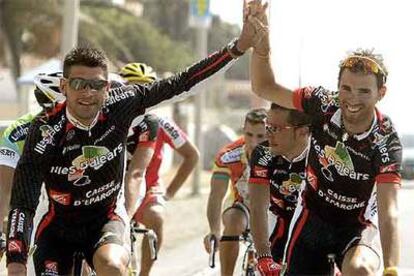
297,99
297,230
214,64
388,178
260,181
46,220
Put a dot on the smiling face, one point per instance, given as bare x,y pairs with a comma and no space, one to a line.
358,95
84,104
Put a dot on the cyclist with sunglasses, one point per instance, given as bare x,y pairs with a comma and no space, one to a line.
232,164
354,153
78,151
277,171
12,140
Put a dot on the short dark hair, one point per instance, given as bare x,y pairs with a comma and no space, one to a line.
363,55
86,56
295,118
256,116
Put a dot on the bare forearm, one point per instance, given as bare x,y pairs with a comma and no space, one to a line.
213,214
262,75
132,188
259,229
390,241
185,169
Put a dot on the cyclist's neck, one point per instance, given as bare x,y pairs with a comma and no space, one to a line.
82,124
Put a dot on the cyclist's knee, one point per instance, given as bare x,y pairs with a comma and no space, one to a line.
359,266
234,222
153,217
111,259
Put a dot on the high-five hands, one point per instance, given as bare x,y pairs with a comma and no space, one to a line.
255,31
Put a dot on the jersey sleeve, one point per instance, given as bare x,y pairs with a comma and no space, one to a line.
315,101
148,131
27,182
173,134
259,166
388,160
221,168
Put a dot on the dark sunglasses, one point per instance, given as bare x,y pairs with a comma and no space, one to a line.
80,84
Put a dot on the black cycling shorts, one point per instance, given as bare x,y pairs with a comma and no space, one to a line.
57,245
311,240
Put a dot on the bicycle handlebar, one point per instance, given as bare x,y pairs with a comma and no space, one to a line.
212,256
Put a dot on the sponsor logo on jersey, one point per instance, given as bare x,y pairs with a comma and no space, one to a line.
292,185
107,132
70,148
260,171
169,128
117,97
265,159
15,246
98,194
70,135
48,132
51,268
19,133
92,157
62,198
7,152
232,156
341,201
337,158
17,223
389,168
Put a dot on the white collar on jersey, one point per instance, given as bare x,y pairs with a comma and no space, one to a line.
80,125
302,155
337,120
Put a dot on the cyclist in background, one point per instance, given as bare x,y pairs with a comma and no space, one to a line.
232,164
151,211
277,171
12,140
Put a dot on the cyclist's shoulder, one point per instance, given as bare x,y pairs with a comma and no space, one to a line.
262,154
232,152
384,132
121,93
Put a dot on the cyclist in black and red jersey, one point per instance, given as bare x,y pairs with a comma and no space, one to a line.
354,152
277,171
78,150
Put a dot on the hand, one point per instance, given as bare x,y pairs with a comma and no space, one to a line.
16,269
255,31
208,242
390,271
267,267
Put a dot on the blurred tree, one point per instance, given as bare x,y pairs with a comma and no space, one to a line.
126,38
171,17
27,26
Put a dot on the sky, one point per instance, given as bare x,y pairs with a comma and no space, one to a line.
308,43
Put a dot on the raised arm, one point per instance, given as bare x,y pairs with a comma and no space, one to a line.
262,76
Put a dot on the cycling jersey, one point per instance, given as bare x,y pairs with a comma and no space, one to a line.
83,169
167,132
334,208
12,140
341,170
143,134
231,162
284,179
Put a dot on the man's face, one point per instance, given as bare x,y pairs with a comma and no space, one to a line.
254,134
358,94
280,134
85,102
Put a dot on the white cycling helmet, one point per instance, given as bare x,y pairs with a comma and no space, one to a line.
47,91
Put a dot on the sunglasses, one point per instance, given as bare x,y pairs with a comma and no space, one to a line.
370,65
273,129
81,84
